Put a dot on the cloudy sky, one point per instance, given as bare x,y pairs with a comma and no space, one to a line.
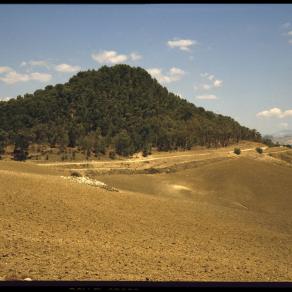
233,59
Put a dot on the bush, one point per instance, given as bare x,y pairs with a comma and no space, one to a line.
146,150
237,151
259,150
20,155
75,173
123,144
112,155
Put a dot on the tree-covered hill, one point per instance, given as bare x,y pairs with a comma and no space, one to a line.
119,106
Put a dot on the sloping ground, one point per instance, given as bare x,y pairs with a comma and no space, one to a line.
283,155
181,226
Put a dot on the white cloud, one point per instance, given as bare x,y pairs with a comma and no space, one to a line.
217,83
207,97
111,57
207,76
284,125
43,77
290,42
13,77
176,71
174,74
212,82
5,69
206,86
275,112
182,44
135,56
35,63
289,32
39,63
66,68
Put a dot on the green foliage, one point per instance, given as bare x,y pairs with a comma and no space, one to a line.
3,139
259,150
21,147
237,151
118,106
268,141
147,150
123,144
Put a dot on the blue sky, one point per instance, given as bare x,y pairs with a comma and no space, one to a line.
230,58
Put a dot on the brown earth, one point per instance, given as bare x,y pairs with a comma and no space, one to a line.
229,220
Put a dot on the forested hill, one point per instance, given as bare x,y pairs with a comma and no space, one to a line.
119,106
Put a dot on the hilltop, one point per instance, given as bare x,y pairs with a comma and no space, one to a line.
119,107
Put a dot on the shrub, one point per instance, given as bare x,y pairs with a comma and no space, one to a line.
259,150
146,150
237,151
75,173
112,155
20,155
123,144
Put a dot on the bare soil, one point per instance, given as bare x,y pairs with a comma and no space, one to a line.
229,220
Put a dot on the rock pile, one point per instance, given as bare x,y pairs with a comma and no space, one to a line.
91,182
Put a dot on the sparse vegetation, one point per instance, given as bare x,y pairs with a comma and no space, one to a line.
196,200
259,150
112,155
20,152
75,174
147,150
268,141
237,151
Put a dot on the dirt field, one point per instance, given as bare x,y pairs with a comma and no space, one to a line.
227,218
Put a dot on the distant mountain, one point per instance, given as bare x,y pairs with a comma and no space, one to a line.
118,106
282,133
283,137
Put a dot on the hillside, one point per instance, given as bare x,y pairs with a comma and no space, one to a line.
119,107
229,220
